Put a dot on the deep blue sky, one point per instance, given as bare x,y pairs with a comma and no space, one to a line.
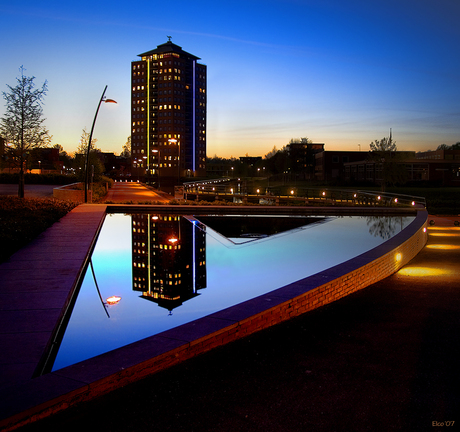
341,72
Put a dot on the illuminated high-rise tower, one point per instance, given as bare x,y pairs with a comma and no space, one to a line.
168,117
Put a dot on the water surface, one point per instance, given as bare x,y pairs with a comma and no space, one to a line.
172,269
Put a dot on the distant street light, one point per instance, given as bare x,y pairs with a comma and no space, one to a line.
103,99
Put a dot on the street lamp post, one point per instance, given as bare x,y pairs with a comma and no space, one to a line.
103,99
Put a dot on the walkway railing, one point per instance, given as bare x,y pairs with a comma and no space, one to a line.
229,189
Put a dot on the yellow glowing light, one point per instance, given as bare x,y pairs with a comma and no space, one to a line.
424,229
173,240
442,246
324,193
422,271
441,228
438,234
398,257
292,192
113,300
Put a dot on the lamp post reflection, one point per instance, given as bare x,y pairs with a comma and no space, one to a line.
112,300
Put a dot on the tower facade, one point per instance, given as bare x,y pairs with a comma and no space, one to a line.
168,115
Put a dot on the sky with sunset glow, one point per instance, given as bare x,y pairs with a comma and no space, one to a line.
340,72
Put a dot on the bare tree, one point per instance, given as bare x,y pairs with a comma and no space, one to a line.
22,125
126,152
83,143
80,156
384,153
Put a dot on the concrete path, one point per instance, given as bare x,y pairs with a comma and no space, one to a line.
119,193
383,359
135,192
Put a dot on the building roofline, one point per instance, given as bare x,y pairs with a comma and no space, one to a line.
168,47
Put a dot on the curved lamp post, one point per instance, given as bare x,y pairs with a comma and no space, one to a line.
103,99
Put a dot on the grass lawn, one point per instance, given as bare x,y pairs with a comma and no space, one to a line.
21,220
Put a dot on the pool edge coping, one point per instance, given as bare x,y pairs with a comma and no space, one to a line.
50,393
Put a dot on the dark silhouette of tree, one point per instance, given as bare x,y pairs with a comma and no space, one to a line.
455,146
126,152
22,125
384,154
96,167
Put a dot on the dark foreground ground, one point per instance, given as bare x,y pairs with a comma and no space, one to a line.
383,359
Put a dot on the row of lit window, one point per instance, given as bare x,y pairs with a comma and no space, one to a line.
169,107
169,70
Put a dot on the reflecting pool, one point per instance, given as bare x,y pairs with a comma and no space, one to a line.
152,272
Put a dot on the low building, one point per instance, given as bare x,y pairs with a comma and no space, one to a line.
302,158
436,167
329,165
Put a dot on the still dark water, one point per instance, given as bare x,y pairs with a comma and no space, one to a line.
172,269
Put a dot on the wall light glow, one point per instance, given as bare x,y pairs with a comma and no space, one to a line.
443,246
422,271
398,257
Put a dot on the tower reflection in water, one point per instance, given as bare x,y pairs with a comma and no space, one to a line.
168,259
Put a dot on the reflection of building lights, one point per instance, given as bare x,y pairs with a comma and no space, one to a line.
113,300
422,271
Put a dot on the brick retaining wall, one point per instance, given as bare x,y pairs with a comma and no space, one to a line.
71,193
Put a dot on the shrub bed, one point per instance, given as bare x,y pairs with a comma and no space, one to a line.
21,220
